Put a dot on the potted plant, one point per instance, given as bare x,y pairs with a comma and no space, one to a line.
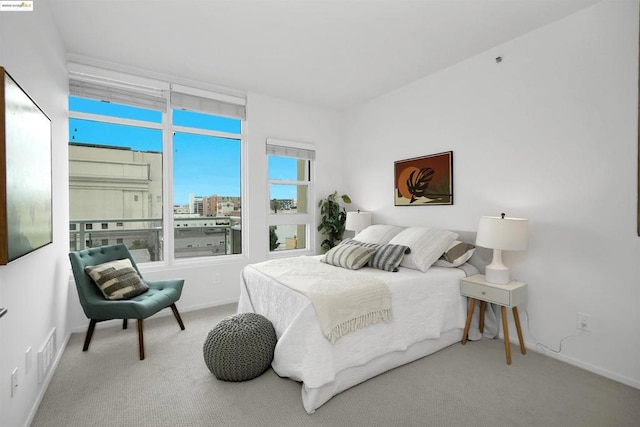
332,219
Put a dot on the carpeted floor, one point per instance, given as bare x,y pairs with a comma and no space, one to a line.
459,386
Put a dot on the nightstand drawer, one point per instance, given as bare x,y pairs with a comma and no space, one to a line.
485,293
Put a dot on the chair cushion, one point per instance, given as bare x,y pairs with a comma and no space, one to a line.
117,279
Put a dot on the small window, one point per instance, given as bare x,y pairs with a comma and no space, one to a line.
119,241
88,226
105,226
72,227
287,237
119,224
104,242
290,188
135,198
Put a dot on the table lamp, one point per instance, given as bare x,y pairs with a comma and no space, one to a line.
501,234
357,221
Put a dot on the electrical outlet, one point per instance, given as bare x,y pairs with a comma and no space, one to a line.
584,322
14,381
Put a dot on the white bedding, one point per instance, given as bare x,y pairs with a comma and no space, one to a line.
424,306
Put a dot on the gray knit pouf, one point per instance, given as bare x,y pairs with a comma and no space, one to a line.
240,347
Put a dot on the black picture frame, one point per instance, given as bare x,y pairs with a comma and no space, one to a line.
25,173
424,181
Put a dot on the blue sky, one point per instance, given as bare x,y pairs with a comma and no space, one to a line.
203,165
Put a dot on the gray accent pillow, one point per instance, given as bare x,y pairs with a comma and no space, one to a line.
352,257
117,279
457,254
389,257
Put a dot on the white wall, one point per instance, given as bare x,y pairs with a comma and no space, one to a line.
35,288
548,134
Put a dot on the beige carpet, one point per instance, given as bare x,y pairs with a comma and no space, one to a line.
459,386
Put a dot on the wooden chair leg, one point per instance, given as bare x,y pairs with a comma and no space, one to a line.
141,338
87,338
177,315
125,322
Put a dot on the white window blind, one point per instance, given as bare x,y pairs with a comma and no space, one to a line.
289,151
133,96
207,105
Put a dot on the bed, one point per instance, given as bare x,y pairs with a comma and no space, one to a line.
428,314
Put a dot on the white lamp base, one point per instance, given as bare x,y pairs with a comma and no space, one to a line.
497,272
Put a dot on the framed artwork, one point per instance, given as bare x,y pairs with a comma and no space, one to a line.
423,181
25,173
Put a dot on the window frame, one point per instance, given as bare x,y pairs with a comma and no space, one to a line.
308,219
80,72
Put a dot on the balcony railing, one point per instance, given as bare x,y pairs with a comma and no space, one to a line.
193,237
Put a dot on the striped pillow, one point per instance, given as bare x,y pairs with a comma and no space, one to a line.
378,233
359,243
117,279
427,245
388,257
348,256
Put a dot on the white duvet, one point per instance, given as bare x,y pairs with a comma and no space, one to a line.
424,305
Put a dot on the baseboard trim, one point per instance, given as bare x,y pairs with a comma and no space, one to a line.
47,380
578,363
586,366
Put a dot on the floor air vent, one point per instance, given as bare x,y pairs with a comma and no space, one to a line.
46,354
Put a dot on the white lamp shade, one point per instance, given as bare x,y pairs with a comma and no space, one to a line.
507,234
357,221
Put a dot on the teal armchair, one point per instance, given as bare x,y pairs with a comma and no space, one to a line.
160,295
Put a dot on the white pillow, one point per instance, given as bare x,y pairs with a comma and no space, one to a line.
378,233
427,244
456,254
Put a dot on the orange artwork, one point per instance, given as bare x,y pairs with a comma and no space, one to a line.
424,180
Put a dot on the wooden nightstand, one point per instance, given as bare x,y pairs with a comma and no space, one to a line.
509,295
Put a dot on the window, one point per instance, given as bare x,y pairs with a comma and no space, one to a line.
115,155
124,141
206,174
289,171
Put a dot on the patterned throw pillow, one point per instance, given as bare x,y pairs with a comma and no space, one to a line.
388,257
117,279
348,256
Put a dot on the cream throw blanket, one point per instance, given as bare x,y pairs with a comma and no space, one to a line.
344,300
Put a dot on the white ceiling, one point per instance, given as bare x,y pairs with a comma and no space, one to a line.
327,53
